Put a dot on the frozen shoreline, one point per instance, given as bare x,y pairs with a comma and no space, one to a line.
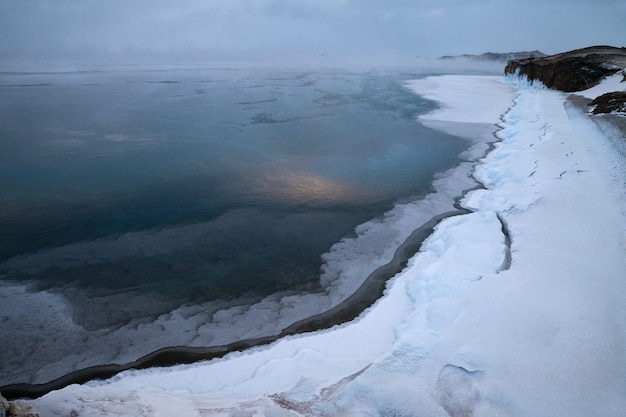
344,299
458,332
70,329
64,348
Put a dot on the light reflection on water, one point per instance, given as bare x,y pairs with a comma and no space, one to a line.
152,208
302,188
106,157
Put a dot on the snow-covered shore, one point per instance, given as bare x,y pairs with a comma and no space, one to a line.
516,309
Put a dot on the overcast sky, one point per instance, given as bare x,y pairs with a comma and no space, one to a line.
201,30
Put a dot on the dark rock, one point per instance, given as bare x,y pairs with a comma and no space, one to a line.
614,102
496,56
571,71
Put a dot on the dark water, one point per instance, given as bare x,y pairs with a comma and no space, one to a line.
276,166
131,192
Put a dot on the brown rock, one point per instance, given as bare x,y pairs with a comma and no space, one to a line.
610,103
14,409
571,71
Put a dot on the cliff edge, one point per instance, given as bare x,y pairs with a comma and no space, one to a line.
571,71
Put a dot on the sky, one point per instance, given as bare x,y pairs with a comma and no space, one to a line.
128,31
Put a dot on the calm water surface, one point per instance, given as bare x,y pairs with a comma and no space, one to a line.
183,185
274,166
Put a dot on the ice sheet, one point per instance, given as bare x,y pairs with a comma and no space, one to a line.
464,98
516,309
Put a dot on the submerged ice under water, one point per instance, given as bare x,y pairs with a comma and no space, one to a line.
130,193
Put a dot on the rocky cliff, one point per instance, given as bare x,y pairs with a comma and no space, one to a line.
571,71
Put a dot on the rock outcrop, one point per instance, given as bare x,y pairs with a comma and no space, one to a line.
14,409
614,102
571,71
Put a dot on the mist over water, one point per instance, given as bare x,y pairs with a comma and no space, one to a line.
132,192
93,156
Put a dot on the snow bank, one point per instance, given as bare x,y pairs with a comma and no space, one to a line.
610,84
516,309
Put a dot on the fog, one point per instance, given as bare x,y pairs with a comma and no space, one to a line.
132,31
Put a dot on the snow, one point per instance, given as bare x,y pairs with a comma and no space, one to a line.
464,98
516,309
610,84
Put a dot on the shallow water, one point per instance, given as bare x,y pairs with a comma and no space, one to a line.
179,186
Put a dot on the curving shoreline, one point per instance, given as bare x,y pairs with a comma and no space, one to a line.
486,319
347,310
60,329
367,294
371,290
